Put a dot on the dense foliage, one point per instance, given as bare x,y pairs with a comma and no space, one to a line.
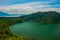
44,17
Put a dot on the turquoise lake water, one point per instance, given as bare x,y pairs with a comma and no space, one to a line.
37,30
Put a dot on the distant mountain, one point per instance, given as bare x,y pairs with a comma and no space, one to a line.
3,14
43,17
50,16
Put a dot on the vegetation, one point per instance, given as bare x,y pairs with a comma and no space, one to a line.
5,33
43,17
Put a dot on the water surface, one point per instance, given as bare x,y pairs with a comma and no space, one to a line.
37,30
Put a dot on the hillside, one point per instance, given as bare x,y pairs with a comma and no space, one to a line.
42,17
46,17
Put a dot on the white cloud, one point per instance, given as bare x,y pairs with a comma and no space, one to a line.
29,8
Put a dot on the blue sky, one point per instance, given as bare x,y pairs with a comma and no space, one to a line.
28,6
12,2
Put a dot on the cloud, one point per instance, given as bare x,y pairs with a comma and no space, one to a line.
29,8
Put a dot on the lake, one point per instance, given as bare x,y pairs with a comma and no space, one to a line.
37,30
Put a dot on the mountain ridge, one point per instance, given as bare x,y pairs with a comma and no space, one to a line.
50,16
3,14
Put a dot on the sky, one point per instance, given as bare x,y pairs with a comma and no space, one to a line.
28,6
